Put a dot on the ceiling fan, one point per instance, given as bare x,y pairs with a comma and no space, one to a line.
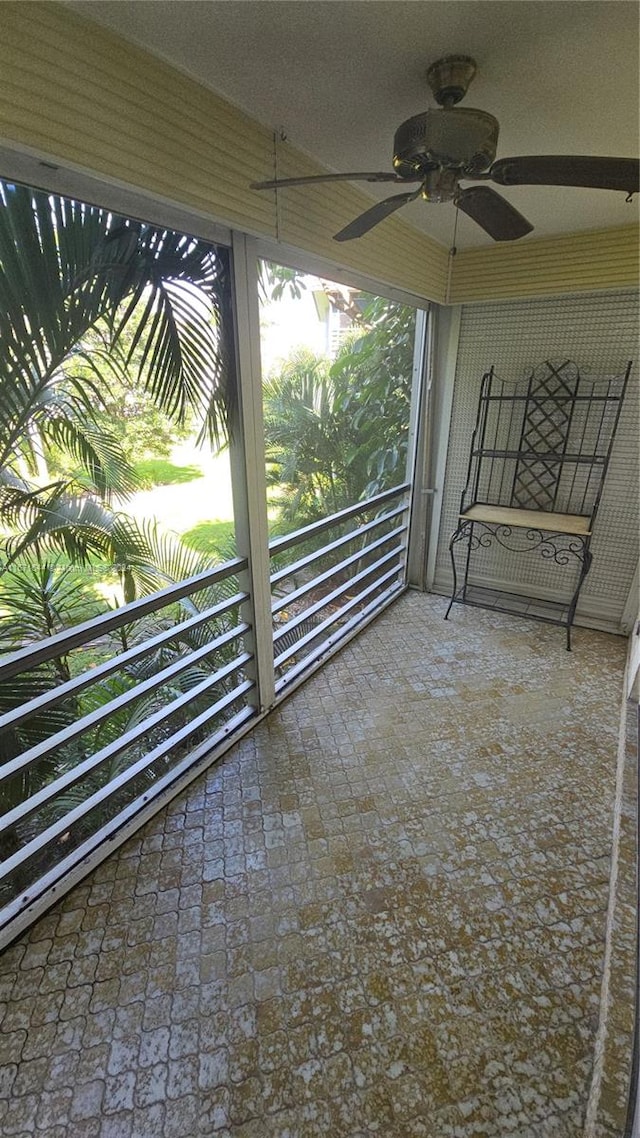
443,146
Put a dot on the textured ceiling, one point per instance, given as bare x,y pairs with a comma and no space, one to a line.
338,78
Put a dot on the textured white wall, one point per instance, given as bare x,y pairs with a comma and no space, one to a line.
599,332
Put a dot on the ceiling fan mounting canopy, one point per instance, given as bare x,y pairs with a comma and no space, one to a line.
449,78
443,146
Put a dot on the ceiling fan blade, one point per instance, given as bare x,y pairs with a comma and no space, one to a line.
568,170
375,176
493,213
377,213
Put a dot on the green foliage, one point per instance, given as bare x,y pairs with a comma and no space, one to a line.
42,596
117,339
337,433
82,528
38,598
304,451
85,296
126,410
374,374
274,280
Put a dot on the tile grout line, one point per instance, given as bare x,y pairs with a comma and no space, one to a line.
593,1100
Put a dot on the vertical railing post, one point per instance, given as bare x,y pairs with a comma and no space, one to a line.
415,472
248,471
444,352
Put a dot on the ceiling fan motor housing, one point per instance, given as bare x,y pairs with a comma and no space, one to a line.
453,138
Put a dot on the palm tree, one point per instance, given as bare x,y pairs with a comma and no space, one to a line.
337,432
84,294
309,447
67,268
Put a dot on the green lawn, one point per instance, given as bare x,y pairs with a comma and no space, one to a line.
163,472
217,538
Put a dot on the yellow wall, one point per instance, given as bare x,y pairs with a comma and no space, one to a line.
579,262
73,91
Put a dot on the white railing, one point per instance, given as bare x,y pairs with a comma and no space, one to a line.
93,767
87,755
313,611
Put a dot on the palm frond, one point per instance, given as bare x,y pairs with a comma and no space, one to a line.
78,527
43,596
102,465
181,299
65,265
167,560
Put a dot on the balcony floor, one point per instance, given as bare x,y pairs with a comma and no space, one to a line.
383,912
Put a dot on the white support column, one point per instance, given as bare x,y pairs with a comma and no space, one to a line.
445,357
631,610
248,469
418,434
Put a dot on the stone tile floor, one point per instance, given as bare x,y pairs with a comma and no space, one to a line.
382,913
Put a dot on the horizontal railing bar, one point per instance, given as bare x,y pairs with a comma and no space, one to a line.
316,632
339,591
107,832
90,630
87,679
278,544
70,777
317,653
296,594
59,827
68,734
346,539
